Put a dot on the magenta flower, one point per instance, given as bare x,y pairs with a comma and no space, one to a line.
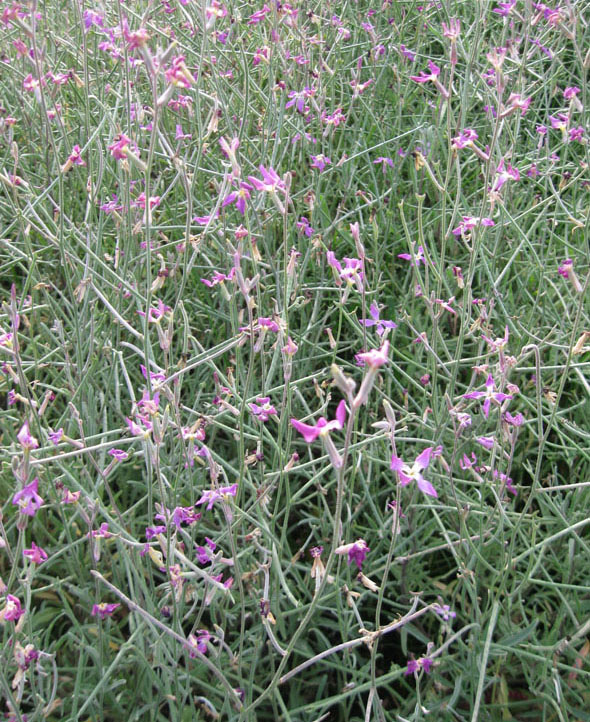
155,315
351,272
26,439
36,554
504,8
381,326
503,175
356,552
407,473
469,223
13,610
27,499
445,612
270,183
104,609
55,436
218,277
238,197
259,15
320,162
427,77
303,226
118,454
489,395
464,139
263,409
210,496
120,146
298,99
384,163
323,427
415,665
415,259
431,77
198,643
143,429
178,74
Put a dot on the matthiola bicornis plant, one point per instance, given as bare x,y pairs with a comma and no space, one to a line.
407,473
322,429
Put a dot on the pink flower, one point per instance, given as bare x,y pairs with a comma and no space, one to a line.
238,197
13,610
118,454
376,321
263,409
351,272
323,427
178,74
407,474
35,554
259,15
210,496
489,395
320,162
198,643
119,146
415,665
431,77
25,438
154,315
104,609
427,77
55,436
27,499
303,226
218,277
375,358
465,138
356,551
270,183
415,259
469,223
504,174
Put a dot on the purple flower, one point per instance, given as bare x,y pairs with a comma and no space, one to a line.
13,610
469,223
384,163
26,439
465,138
376,321
263,409
210,496
415,665
27,499
357,551
270,183
486,441
322,427
445,612
427,77
118,454
407,474
55,436
320,162
218,277
351,272
198,643
303,226
416,259
238,197
103,609
36,554
503,175
489,395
